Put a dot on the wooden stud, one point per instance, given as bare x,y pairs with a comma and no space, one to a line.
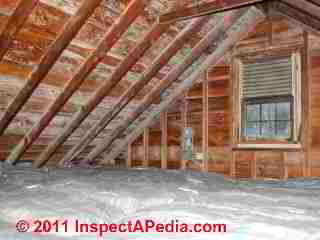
254,166
129,157
15,23
234,91
135,88
164,140
68,32
146,148
233,164
230,38
306,108
164,84
184,125
206,9
205,127
108,41
285,166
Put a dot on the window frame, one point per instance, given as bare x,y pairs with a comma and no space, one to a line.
238,58
265,100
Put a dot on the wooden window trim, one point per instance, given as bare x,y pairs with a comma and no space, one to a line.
237,124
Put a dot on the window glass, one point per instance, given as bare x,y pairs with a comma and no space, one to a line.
268,118
268,112
268,129
253,130
283,129
283,111
253,112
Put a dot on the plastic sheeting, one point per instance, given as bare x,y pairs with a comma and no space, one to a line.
251,209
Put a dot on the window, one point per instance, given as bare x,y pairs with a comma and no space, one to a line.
268,118
269,98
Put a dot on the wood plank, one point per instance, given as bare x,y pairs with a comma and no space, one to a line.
164,139
306,117
165,83
132,11
146,147
69,31
233,162
205,130
284,166
206,9
129,156
253,17
254,166
15,23
184,125
302,18
73,84
136,87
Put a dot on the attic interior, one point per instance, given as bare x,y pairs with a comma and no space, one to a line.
204,110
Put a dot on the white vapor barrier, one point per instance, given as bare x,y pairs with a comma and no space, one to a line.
257,210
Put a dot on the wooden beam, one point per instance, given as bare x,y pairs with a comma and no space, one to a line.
108,41
205,127
233,160
68,32
206,9
284,166
135,88
316,2
254,166
304,19
306,6
163,85
146,148
306,137
253,17
164,139
134,9
15,23
184,125
129,157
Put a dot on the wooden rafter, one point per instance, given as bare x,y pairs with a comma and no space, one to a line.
111,37
68,32
254,16
134,89
305,19
132,58
206,9
15,23
316,2
171,77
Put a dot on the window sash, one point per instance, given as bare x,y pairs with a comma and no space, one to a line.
261,101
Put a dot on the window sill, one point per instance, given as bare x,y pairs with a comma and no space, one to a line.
290,147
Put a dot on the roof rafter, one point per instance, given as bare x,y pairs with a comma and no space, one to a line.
253,17
133,57
15,23
303,17
111,37
68,32
206,9
171,77
134,89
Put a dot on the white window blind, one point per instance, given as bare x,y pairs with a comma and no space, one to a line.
271,77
